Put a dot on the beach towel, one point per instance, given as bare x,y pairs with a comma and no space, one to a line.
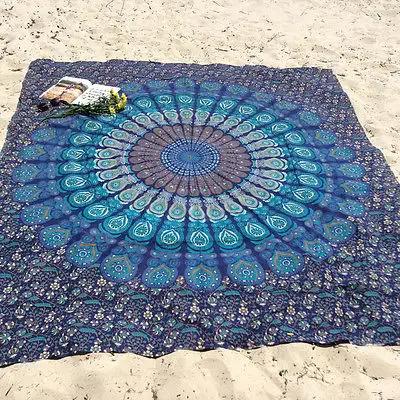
225,206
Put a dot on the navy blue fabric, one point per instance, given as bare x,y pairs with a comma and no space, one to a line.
224,207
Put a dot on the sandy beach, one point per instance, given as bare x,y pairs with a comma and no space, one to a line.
358,40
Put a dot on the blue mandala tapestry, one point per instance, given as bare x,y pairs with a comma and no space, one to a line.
224,207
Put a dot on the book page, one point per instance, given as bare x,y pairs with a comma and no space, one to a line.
95,93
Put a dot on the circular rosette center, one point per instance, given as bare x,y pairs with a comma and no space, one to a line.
187,157
190,161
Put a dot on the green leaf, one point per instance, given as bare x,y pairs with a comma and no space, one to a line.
87,330
37,339
371,293
232,293
237,329
386,329
46,305
140,334
190,330
336,331
286,328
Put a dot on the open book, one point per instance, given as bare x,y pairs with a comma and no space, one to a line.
77,91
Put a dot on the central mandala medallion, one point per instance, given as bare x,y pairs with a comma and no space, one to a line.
188,157
193,161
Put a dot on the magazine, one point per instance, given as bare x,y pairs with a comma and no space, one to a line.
72,90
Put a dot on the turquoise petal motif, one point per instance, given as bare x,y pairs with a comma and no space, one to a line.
33,215
338,230
83,254
116,224
246,272
118,268
25,173
27,194
170,238
193,179
141,231
203,277
160,276
286,262
317,248
55,236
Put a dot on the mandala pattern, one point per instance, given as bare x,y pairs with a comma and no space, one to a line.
224,207
201,180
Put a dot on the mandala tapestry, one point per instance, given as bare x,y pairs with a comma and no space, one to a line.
224,207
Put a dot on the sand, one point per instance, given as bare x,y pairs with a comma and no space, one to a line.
358,39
